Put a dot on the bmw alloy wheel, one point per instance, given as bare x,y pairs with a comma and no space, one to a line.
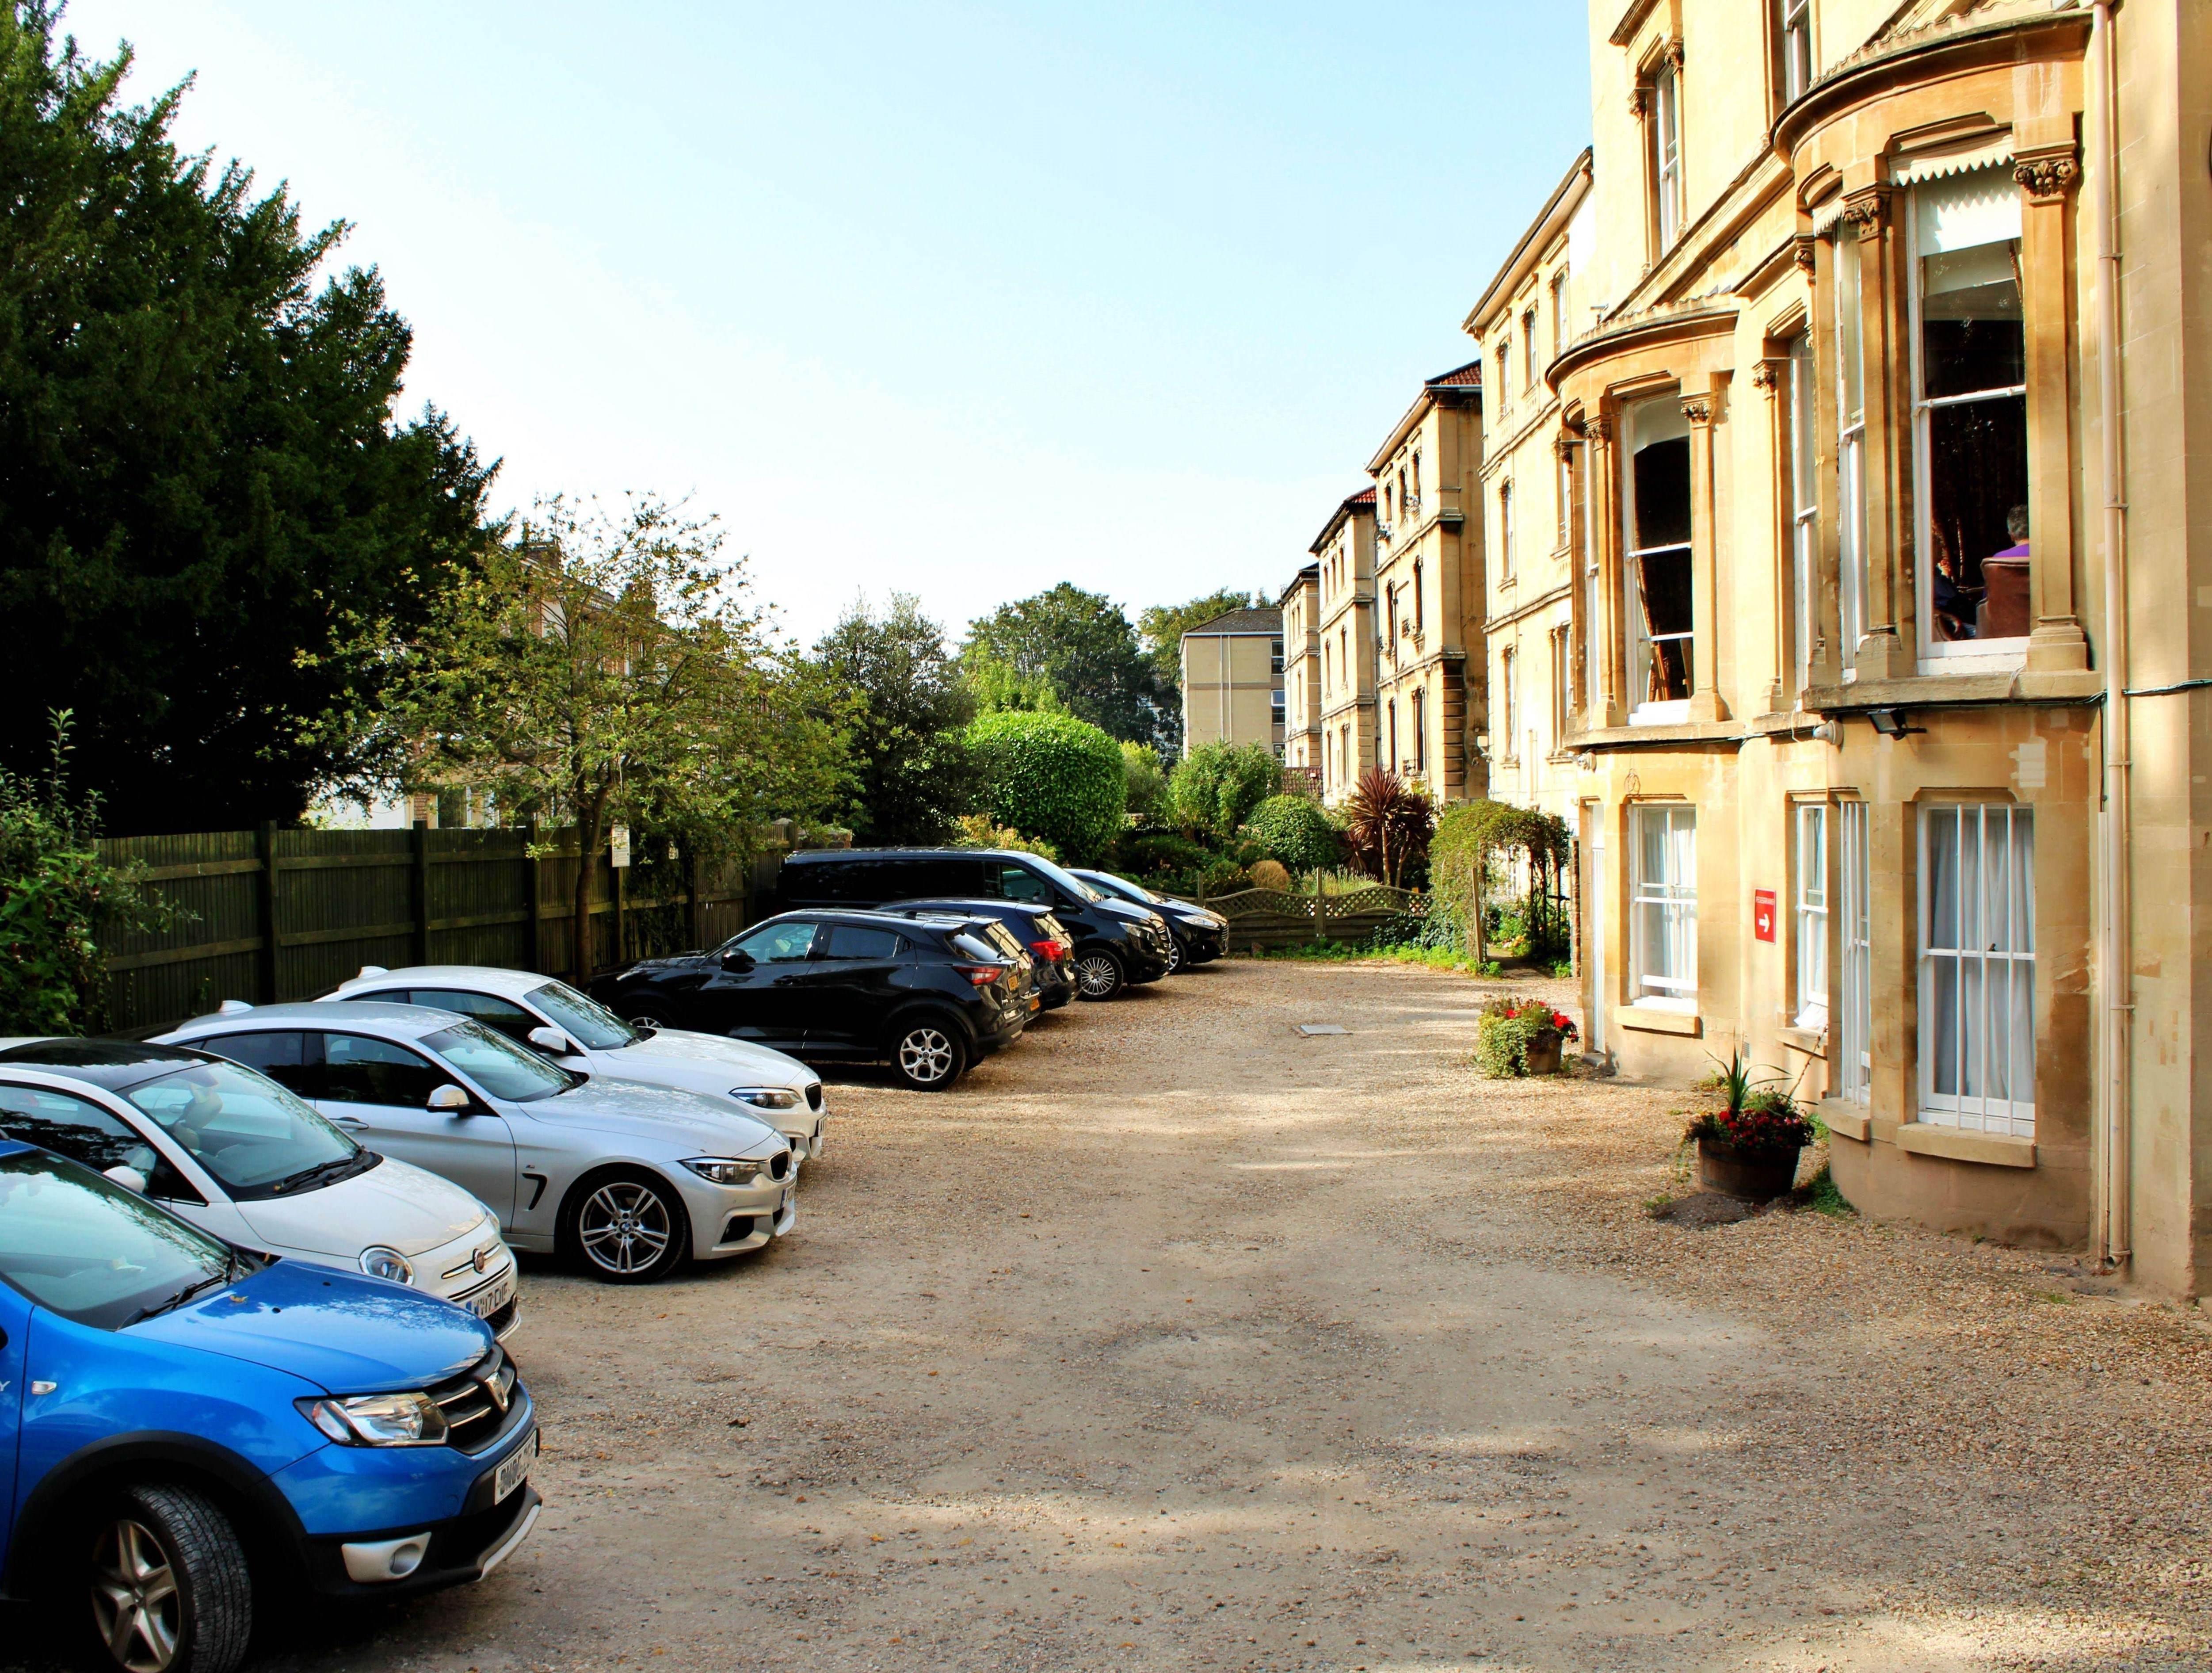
1174,956
1098,976
624,1228
927,1056
135,1601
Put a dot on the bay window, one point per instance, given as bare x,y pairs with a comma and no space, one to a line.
1977,968
1655,506
1970,414
1663,906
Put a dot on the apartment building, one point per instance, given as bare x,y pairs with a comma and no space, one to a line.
1429,589
1301,607
1232,680
1893,656
1523,320
1344,554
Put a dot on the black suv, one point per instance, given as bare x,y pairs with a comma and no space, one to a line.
1200,936
1117,942
928,995
1051,948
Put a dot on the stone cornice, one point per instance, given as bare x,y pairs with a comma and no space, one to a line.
1706,317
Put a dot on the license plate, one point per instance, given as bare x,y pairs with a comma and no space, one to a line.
490,1298
515,1470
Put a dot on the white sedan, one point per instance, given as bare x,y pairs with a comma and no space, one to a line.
238,1155
580,1033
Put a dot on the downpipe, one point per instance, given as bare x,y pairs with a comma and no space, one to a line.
2111,1215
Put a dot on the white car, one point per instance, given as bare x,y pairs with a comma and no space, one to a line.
238,1155
628,1181
578,1032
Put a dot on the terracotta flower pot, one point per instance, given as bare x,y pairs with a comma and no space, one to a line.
1755,1175
1542,1055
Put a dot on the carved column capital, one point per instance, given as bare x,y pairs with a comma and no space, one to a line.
1868,211
2047,176
1562,446
1801,251
1598,432
1697,409
1766,375
1639,101
1673,53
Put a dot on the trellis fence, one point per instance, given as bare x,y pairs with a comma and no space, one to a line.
269,914
1275,918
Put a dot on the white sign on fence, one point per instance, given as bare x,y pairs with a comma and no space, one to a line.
618,843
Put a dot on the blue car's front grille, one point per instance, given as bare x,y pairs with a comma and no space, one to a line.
481,1403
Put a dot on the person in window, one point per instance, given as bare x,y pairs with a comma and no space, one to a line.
2004,612
1955,606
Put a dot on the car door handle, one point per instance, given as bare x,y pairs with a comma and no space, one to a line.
350,1123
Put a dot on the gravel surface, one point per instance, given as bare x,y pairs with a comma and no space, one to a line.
1176,1339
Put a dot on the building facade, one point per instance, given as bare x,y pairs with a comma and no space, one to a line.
1889,674
1301,607
1344,554
1429,590
1523,320
1232,680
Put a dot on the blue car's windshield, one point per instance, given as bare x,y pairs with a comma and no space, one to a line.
93,1251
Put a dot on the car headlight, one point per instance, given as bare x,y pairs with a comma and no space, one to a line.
381,1262
723,1171
378,1420
766,1098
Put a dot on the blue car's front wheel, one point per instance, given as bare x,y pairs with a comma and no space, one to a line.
170,1590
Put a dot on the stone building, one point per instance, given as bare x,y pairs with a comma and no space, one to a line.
1232,680
1301,607
1429,589
1892,669
1344,554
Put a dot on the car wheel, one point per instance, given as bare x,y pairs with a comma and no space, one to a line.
648,1021
626,1228
929,1055
1176,960
1098,975
170,1590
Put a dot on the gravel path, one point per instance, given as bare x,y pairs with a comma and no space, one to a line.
1175,1339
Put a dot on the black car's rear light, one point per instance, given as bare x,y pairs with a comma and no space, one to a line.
982,974
1049,950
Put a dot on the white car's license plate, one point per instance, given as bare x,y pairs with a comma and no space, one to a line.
515,1471
491,1297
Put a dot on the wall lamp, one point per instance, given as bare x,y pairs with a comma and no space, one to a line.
1890,723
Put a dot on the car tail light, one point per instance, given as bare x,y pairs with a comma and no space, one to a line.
983,975
1053,950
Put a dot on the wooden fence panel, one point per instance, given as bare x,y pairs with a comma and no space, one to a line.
343,898
480,903
213,950
1272,918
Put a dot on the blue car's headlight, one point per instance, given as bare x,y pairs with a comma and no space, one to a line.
378,1420
766,1098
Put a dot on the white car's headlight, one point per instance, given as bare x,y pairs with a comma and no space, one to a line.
766,1098
381,1262
378,1420
724,1170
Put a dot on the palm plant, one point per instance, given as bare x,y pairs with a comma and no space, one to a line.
1387,823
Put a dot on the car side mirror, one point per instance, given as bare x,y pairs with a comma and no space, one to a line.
737,958
553,1040
448,1100
129,1178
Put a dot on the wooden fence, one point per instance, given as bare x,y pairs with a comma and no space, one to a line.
269,915
1273,918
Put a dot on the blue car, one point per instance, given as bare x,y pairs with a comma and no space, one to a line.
185,1424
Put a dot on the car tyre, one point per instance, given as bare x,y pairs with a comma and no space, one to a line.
928,1054
1098,975
170,1589
625,1226
1176,963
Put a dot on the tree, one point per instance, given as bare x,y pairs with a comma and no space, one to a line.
1161,627
1214,789
1083,647
1148,785
1054,776
203,493
1294,831
1387,824
915,776
603,670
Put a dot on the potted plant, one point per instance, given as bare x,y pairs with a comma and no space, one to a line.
1748,1148
1521,1037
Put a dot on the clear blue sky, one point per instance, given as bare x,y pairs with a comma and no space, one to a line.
957,299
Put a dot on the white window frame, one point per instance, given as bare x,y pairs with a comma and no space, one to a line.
1853,1047
1508,667
1658,711
1850,447
1796,48
1809,837
1805,509
2000,911
1674,898
1667,151
1505,530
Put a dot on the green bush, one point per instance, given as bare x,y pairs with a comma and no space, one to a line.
1148,785
1054,776
1214,789
1294,831
1505,1031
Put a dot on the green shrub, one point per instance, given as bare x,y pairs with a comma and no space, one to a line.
1294,831
975,830
1271,874
1148,785
1054,776
1214,789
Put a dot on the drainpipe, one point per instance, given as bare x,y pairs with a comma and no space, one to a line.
2111,1239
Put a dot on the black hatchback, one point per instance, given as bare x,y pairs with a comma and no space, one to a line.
928,995
1118,943
1051,948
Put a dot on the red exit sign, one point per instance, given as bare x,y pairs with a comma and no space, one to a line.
1762,913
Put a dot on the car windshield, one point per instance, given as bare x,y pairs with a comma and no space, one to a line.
498,1065
1123,886
973,946
1066,880
584,1019
93,1251
256,1137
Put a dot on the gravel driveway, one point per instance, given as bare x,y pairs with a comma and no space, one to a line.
1175,1339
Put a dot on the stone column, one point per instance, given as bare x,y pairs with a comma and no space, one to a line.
2046,177
1706,702
1613,603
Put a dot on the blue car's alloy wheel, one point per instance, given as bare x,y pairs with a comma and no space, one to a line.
170,1592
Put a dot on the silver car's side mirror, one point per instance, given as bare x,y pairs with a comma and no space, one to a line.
449,1100
129,1178
553,1040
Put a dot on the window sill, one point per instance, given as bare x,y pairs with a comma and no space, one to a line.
1846,1119
1652,1020
1931,691
1813,1042
1954,1145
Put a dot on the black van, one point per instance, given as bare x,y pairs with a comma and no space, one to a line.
1117,943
